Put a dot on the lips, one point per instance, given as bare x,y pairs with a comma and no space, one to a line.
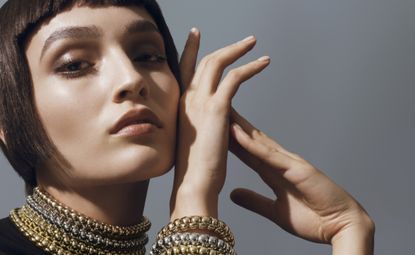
135,116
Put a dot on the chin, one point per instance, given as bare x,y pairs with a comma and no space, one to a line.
153,166
130,165
123,175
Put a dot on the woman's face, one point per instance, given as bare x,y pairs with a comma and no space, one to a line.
89,67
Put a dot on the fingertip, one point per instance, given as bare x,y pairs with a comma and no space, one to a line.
264,59
237,132
235,195
235,127
195,32
248,39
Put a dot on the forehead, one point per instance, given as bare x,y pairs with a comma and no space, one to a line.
112,21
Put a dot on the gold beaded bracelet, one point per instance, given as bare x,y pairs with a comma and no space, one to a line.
198,222
191,250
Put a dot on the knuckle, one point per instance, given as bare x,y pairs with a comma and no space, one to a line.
294,164
217,59
213,61
204,60
304,166
234,75
270,152
259,133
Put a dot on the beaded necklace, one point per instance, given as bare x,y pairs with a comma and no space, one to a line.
60,230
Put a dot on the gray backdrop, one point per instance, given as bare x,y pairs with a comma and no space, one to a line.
340,91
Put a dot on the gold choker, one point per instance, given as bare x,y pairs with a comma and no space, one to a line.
60,230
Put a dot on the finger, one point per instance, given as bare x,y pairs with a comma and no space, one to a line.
276,169
277,211
230,84
211,68
254,202
270,156
256,164
189,57
294,171
259,135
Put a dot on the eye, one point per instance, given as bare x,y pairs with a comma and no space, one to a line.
74,68
151,58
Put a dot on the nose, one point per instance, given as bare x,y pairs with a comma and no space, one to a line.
130,83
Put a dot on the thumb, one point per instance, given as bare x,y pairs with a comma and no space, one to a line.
255,202
264,206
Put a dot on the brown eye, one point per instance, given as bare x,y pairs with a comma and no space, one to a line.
74,68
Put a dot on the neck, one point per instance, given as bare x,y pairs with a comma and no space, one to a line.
120,205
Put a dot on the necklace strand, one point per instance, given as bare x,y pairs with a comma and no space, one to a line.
60,230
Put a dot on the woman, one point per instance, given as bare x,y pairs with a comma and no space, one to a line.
92,93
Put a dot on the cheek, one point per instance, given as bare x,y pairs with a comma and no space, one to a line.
168,96
168,92
66,114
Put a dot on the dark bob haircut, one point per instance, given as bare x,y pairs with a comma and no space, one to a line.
26,144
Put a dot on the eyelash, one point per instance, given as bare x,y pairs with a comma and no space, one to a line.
145,58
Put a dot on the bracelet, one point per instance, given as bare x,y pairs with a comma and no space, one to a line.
198,222
192,239
192,250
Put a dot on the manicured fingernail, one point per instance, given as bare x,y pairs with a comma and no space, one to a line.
194,30
249,38
264,58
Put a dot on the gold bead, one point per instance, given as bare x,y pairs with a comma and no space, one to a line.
203,251
176,250
56,240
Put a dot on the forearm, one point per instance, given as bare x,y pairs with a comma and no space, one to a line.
197,184
356,241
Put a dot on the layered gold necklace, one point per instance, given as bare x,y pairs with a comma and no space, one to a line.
60,230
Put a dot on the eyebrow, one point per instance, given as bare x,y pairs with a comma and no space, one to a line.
138,26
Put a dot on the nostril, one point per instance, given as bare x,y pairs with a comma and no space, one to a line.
143,92
123,94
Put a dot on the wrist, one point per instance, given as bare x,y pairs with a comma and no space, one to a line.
358,239
188,201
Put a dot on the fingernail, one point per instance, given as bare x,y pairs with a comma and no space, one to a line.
194,30
235,126
249,38
264,58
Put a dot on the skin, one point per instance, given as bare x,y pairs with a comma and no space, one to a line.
308,204
107,172
77,114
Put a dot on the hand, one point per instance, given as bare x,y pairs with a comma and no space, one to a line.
308,203
203,128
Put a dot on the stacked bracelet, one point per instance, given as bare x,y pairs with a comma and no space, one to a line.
177,237
198,222
192,250
194,240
